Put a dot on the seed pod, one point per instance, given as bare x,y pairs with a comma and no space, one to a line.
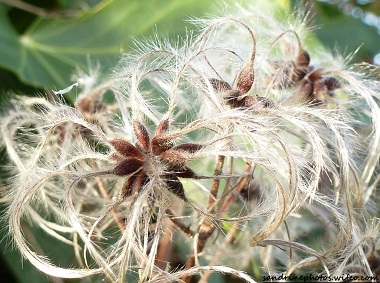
298,74
141,180
266,102
320,92
219,85
127,189
175,186
331,83
127,166
306,91
161,144
85,105
117,157
163,127
374,263
303,59
61,133
142,135
232,98
249,101
251,191
257,102
315,75
185,172
245,79
174,158
126,149
188,147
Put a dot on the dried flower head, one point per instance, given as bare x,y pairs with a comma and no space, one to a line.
271,146
152,160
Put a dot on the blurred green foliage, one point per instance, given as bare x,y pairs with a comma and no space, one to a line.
42,51
345,30
45,52
43,42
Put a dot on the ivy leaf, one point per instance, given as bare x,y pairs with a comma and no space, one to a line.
49,51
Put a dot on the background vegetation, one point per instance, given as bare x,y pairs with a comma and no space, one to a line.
43,42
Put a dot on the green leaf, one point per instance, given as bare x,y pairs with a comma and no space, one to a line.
9,46
83,5
49,51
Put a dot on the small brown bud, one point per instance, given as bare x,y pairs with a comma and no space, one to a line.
374,263
257,101
306,90
320,93
266,102
85,105
141,180
298,74
251,191
249,101
134,183
61,133
89,105
117,157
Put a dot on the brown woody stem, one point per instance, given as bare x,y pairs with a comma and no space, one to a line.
238,187
215,183
229,238
207,227
165,248
179,224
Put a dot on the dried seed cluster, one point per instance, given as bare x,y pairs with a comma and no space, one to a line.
237,97
152,160
315,86
269,169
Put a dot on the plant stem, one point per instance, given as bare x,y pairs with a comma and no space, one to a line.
238,187
165,248
229,238
215,183
207,227
181,226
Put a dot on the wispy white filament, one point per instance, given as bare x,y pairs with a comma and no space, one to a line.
309,169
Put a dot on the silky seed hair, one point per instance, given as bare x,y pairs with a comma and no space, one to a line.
235,142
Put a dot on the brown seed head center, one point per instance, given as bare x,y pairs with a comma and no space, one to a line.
153,167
